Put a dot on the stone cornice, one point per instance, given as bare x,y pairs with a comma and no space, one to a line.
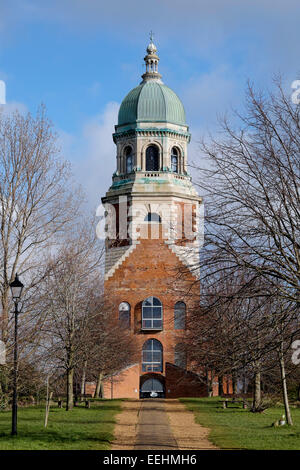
151,131
112,197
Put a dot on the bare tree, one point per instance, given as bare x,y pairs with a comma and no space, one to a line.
72,298
243,329
117,350
37,202
108,346
251,186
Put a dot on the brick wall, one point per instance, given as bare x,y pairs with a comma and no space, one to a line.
152,269
181,383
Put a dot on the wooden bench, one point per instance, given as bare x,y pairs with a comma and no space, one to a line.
226,402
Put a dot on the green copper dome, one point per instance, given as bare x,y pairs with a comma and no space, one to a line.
151,101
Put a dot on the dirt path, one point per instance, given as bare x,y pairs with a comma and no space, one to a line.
158,424
154,431
126,427
188,434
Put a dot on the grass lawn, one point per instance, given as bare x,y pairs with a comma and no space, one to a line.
235,428
82,429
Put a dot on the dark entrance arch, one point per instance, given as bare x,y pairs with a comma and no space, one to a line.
152,387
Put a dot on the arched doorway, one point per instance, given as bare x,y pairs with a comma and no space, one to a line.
152,387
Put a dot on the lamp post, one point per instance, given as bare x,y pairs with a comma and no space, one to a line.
16,288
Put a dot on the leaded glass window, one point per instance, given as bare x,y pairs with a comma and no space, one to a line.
152,314
174,160
152,356
129,159
152,158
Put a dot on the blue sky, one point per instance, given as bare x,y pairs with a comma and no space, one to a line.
81,57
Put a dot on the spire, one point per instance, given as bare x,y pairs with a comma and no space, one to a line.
151,62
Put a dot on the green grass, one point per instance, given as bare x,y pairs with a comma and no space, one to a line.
235,428
82,429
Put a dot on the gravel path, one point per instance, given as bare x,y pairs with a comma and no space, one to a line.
188,434
156,424
126,427
154,431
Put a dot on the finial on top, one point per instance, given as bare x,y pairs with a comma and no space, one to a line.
151,49
151,62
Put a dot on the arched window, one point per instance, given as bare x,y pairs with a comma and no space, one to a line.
152,217
152,356
180,356
174,160
124,315
179,316
152,314
152,158
129,159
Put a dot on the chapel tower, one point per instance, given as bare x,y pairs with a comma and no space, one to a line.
152,244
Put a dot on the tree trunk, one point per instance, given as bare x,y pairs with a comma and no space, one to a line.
245,387
99,385
234,383
70,375
82,392
5,314
284,387
4,378
4,371
209,380
257,390
220,386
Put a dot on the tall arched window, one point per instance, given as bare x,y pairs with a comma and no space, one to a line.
174,160
152,314
129,159
152,356
152,158
179,316
124,315
180,356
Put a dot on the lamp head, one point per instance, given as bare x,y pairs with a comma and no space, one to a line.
16,288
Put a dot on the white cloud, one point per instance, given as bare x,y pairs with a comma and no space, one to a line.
12,106
93,153
211,93
259,36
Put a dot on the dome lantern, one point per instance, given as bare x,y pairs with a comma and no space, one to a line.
151,101
151,62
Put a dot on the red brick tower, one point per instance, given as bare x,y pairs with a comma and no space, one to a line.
152,244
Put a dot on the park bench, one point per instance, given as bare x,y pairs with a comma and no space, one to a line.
87,403
225,402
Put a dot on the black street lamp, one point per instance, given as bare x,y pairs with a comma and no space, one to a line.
16,288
